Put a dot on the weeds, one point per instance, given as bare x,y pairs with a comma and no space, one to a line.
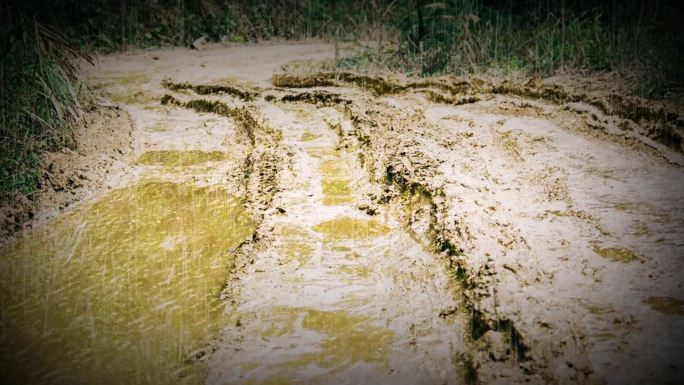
463,37
41,99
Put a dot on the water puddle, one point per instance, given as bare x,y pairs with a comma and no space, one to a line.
318,152
615,254
666,305
336,341
336,182
157,127
308,136
336,175
341,228
296,245
172,158
352,256
122,290
347,339
336,191
356,271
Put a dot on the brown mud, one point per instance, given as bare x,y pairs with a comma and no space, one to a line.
104,138
208,89
649,118
405,149
431,231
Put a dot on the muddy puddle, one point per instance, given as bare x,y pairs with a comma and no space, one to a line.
336,178
298,245
666,305
615,254
350,228
123,290
171,158
309,136
338,340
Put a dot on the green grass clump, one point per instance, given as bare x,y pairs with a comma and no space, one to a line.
41,100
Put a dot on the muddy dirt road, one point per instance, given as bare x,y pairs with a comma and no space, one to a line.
343,228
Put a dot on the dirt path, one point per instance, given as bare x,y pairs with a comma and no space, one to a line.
336,295
370,231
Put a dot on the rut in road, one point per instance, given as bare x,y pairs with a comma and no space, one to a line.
335,294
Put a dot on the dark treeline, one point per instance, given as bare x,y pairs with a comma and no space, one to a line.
423,36
116,24
41,96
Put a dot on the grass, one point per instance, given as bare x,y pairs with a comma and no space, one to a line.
41,101
465,37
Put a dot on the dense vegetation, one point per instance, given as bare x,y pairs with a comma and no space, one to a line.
42,99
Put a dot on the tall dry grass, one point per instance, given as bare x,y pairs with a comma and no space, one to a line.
641,40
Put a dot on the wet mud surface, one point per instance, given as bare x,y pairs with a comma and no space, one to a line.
336,294
353,228
95,164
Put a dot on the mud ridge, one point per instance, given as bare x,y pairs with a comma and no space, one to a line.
262,166
210,89
315,97
653,119
663,126
259,183
379,85
417,181
412,185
